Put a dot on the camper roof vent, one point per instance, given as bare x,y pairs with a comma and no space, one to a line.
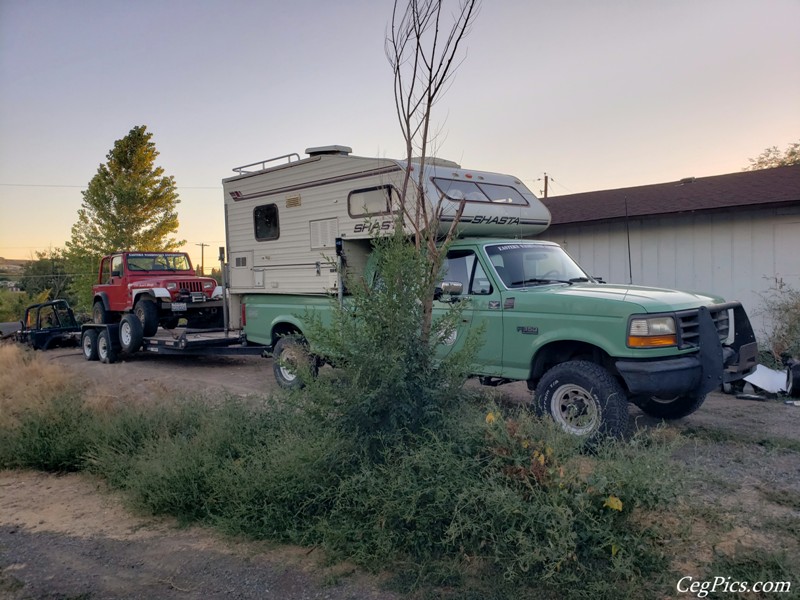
320,150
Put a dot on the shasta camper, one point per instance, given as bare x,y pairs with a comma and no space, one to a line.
585,347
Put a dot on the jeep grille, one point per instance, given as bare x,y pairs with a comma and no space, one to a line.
191,286
689,326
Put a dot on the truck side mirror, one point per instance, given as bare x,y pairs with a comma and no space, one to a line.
452,288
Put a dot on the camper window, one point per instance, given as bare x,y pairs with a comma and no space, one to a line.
265,221
471,191
370,201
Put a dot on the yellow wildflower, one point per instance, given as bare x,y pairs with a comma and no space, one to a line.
613,503
525,443
490,418
614,549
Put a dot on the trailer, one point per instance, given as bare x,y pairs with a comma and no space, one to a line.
107,342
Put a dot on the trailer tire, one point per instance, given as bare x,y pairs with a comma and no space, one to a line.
99,313
147,312
583,399
89,344
670,408
289,353
131,333
105,348
793,380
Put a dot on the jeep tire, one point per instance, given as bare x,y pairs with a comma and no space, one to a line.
147,312
583,399
99,313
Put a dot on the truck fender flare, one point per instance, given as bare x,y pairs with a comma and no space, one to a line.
158,293
103,297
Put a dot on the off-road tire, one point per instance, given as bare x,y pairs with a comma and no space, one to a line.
106,351
670,408
99,313
89,344
131,333
288,352
583,399
147,312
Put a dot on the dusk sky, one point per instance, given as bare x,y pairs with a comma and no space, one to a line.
597,94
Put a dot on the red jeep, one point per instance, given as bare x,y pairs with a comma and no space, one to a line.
159,287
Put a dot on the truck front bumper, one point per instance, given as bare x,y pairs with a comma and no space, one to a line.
702,371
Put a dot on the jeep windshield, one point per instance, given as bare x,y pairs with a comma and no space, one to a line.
522,265
158,261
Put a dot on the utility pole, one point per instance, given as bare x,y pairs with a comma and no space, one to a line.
202,257
545,184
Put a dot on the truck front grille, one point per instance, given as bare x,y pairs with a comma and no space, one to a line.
689,326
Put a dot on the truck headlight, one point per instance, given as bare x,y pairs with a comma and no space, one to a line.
652,332
207,285
172,286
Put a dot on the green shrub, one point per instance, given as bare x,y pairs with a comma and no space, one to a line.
53,436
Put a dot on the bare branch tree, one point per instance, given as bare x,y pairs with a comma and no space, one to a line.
424,55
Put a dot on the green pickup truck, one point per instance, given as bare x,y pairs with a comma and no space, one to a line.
585,348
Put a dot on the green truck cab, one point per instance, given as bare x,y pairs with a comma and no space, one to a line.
585,348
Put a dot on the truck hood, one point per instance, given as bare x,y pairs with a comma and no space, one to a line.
619,299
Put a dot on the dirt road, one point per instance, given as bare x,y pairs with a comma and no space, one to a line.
68,537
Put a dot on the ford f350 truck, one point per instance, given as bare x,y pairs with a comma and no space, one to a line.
585,348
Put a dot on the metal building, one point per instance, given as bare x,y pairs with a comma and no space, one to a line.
734,235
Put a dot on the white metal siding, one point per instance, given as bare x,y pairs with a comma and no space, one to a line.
737,255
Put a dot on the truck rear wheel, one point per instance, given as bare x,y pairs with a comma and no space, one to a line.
583,399
670,408
89,344
99,313
131,333
147,312
290,356
105,348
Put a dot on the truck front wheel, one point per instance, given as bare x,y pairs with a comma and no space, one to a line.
147,311
670,408
583,399
289,356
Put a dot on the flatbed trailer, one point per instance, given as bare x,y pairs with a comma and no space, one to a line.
106,342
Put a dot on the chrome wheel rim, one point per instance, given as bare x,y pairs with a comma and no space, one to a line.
574,409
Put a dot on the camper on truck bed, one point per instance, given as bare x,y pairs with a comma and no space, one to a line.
585,348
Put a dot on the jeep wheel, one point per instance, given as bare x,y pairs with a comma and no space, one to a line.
130,333
147,311
99,313
289,354
583,399
89,344
670,408
105,348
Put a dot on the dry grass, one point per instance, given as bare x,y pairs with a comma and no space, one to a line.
28,381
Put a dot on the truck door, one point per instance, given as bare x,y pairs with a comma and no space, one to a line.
483,309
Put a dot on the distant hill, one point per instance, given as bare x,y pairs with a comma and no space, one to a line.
12,265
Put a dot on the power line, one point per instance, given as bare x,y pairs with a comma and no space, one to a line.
59,185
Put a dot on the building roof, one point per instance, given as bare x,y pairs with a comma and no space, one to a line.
775,187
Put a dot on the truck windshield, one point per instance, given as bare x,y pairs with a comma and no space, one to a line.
522,265
158,261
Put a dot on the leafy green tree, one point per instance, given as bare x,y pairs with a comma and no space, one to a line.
128,205
48,273
773,157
